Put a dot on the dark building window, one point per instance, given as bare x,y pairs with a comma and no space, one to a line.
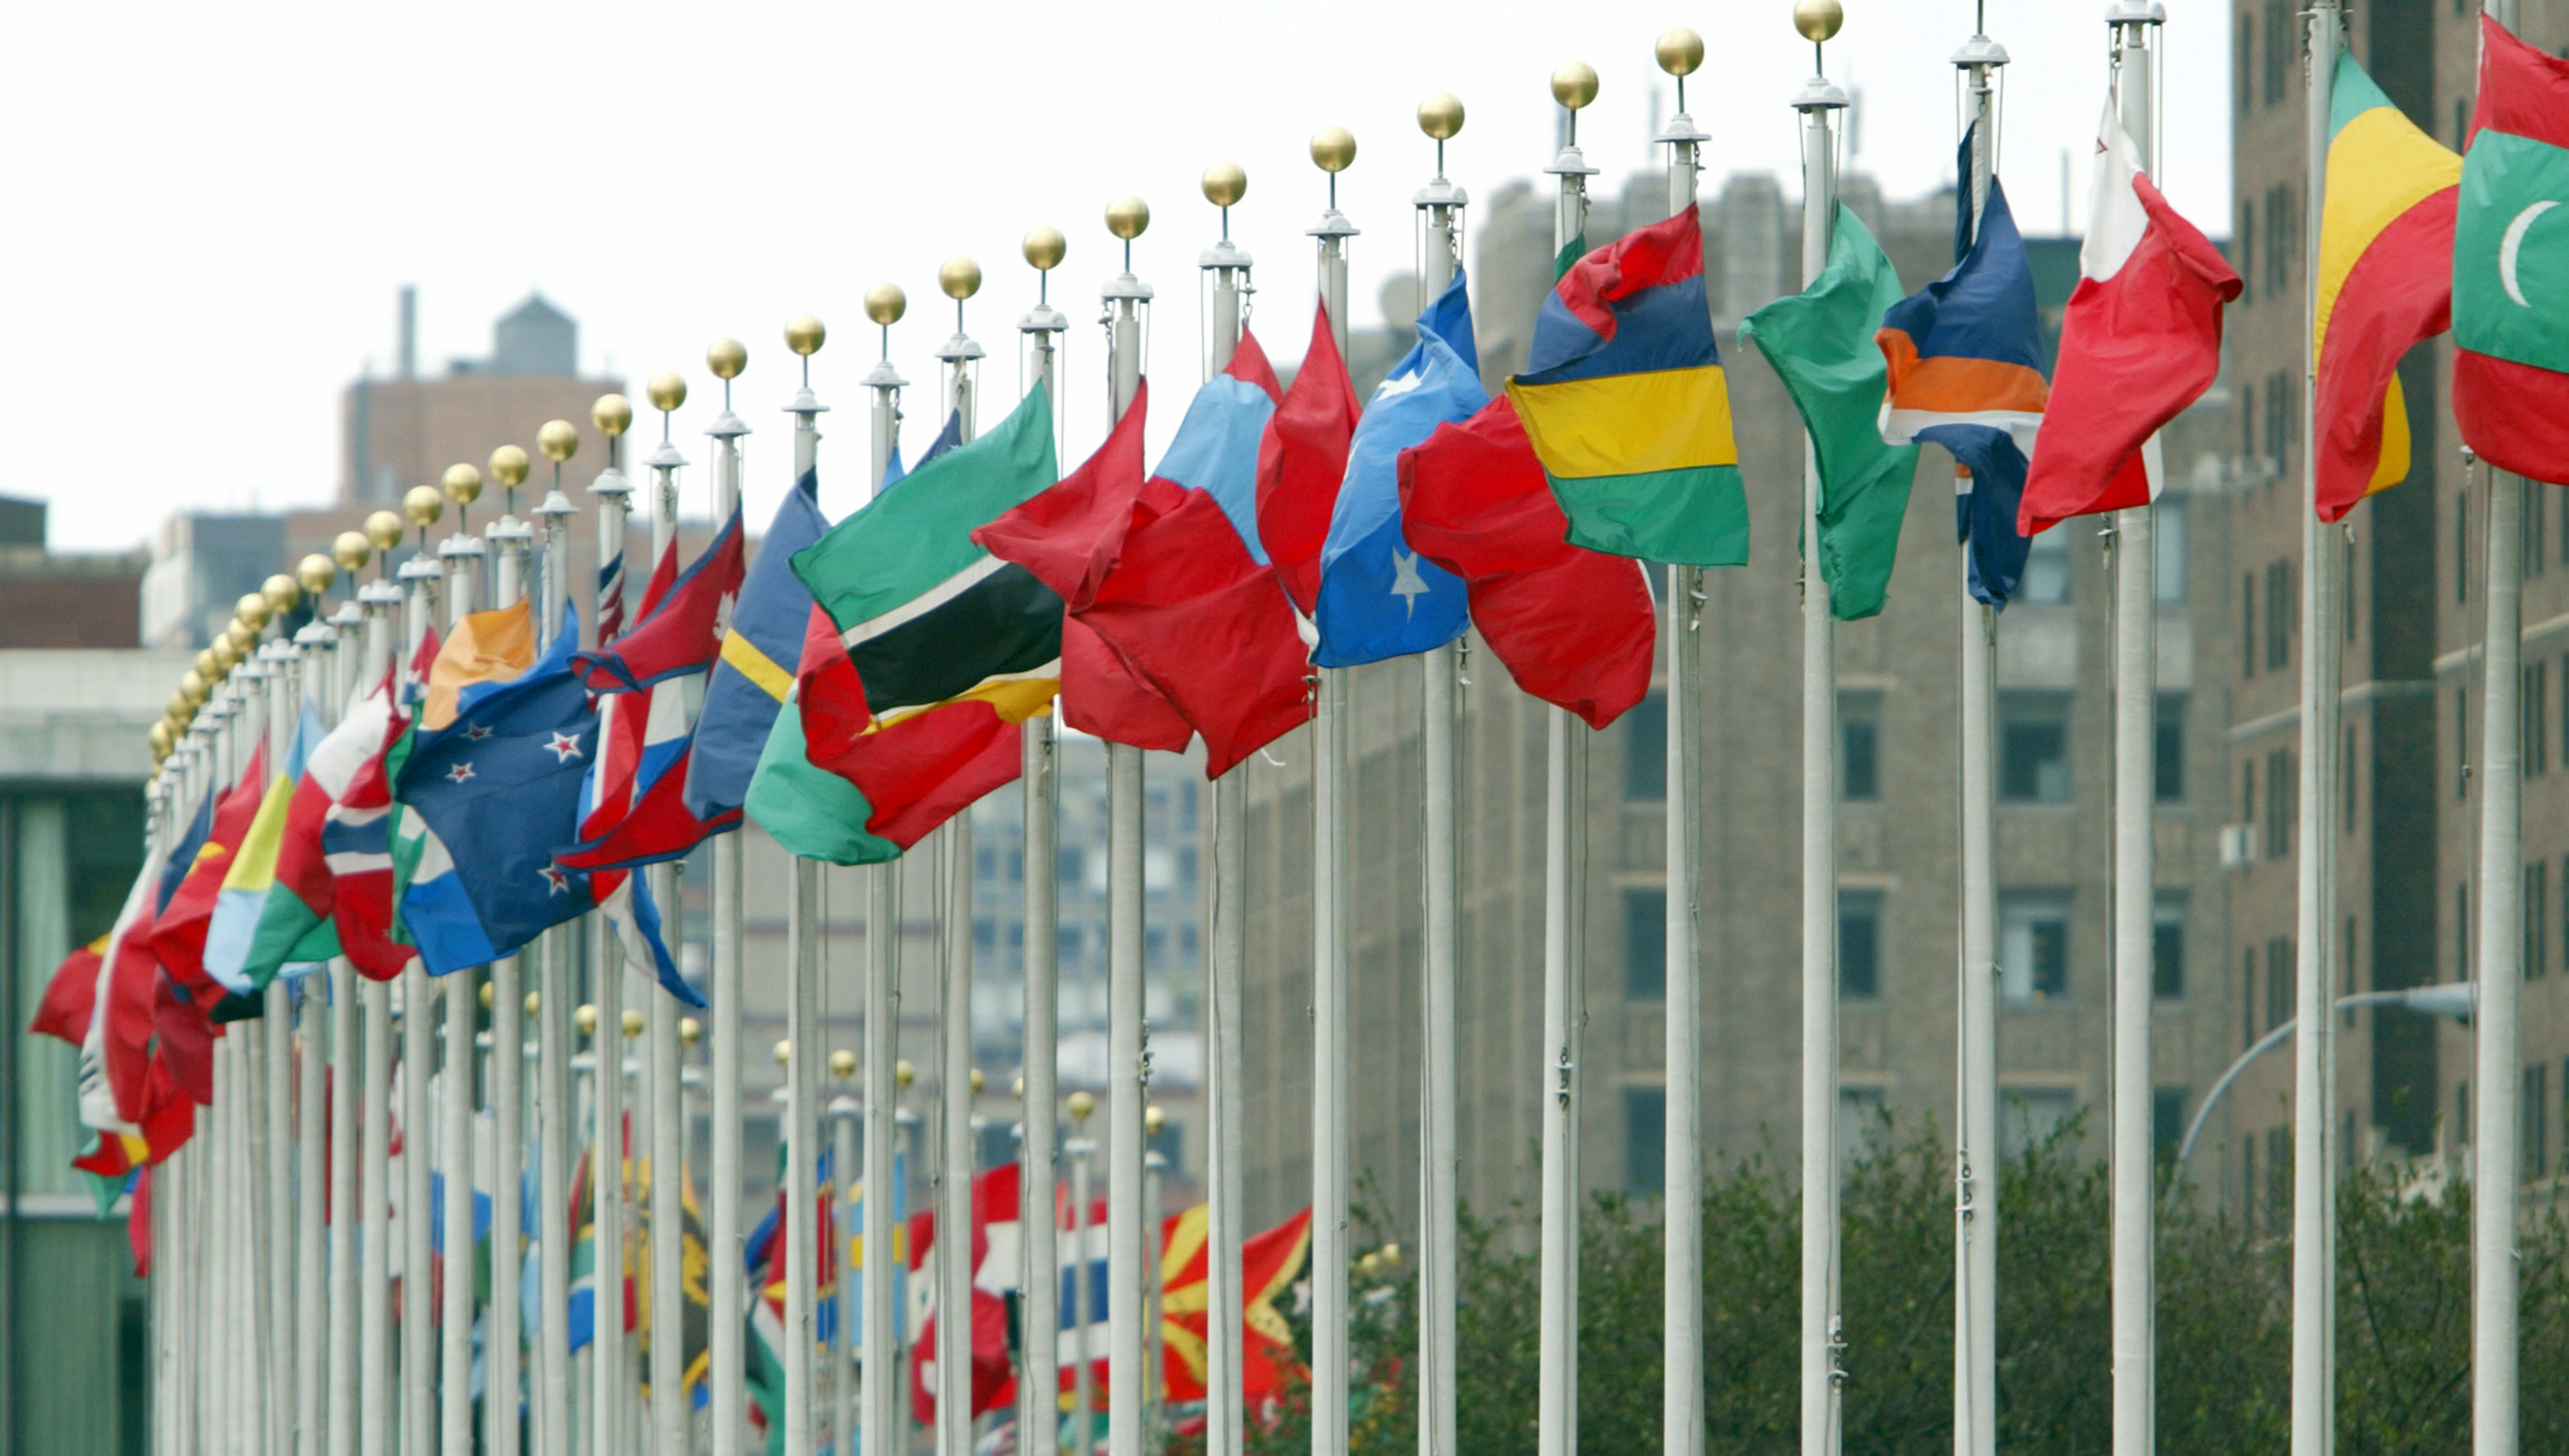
2345,574
1859,945
2282,968
2167,1121
2248,624
2462,927
1860,747
2034,947
2167,950
2248,792
2247,78
2348,951
2283,801
2537,923
2034,747
1646,750
2246,242
1068,865
2167,750
2537,1123
2282,613
2462,1113
2167,550
2281,49
1645,1141
2247,999
1646,944
2536,747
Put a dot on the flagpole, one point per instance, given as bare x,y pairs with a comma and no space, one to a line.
725,1345
1083,1284
276,1063
881,1421
1227,268
610,1390
2315,1141
2135,657
386,617
419,1054
1975,1119
1822,1333
669,1364
559,441
359,624
1128,1065
461,553
1039,1218
512,540
804,335
321,668
844,1112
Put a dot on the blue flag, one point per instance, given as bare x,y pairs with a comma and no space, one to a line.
946,439
759,654
201,827
1378,598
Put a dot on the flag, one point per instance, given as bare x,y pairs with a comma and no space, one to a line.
583,1249
1377,599
183,1036
183,855
910,773
1966,365
681,628
764,1268
2141,341
695,1299
299,917
1626,403
756,672
70,995
1268,1261
610,597
2510,264
811,811
1301,460
1069,536
115,1049
178,934
1821,344
1573,626
992,1249
2386,283
241,903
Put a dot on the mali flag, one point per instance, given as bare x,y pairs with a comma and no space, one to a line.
2512,264
1626,404
2386,283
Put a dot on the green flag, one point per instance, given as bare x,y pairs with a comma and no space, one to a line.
811,811
1821,341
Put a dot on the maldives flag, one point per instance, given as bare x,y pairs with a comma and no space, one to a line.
1302,462
2141,341
2512,264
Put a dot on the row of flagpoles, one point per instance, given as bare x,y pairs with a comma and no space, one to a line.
245,1260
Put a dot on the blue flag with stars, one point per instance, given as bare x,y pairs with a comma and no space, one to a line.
1378,598
497,789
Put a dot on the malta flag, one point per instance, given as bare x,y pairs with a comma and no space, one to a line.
2140,342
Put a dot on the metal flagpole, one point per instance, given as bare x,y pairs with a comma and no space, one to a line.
1822,1336
1128,1060
881,1419
610,1386
806,928
419,1054
558,440
2497,1028
2314,1140
322,667
957,278
1039,1219
1226,266
511,545
370,1271
1083,1284
668,1404
276,1042
1976,1118
725,1343
461,553
843,1113
1332,151
1679,53
353,550
2135,639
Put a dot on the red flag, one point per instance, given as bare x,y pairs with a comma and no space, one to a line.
70,995
1303,461
682,620
916,772
1573,627
183,1020
179,936
137,1223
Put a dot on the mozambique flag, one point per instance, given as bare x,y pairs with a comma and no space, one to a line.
1626,403
2512,264
2386,283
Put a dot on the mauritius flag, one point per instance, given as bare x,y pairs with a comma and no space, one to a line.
1624,400
2512,264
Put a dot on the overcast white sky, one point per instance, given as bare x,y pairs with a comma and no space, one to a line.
216,204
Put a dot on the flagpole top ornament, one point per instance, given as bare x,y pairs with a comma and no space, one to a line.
1333,149
666,391
226,656
631,1022
843,1064
726,358
1441,116
463,484
1679,52
424,504
509,465
485,996
284,593
903,1074
784,1052
558,440
612,415
1225,183
209,668
689,1030
253,609
1045,249
1819,21
316,572
534,1002
804,335
164,738
884,304
1128,217
1081,1105
191,686
352,550
244,638
1154,1119
586,1019
1575,85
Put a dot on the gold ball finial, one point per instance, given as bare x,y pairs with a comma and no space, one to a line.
253,609
192,687
586,1019
383,529
534,1002
1225,183
463,484
784,1052
209,667
558,440
1391,1254
177,709
804,336
886,303
1441,116
509,467
315,572
1019,1090
424,504
977,1080
243,637
1575,85
1153,1119
1128,217
1081,1105
485,996
631,1022
843,1064
612,415
284,592
1679,51
903,1074
666,391
1372,1265
1043,249
689,1030
162,738
959,278
1333,149
352,550
227,656
726,358
1819,19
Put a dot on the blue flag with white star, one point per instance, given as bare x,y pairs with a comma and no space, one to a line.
1378,598
497,789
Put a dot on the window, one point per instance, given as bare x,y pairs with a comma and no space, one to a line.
2537,720
2275,1196
2463,1112
2282,968
2246,242
2247,999
2034,947
1645,1140
1859,944
2167,1121
2239,63
2248,624
2046,570
1860,747
2034,747
985,934
2538,909
2248,1182
2167,948
1646,750
2283,796
2282,613
2537,1098
2029,1117
2167,749
1068,864
2167,549
2248,791
1646,944
2346,954
2461,110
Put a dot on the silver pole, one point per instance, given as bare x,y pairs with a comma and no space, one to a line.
463,554
668,1107
1821,1329
726,1311
511,542
277,1043
805,930
323,667
2315,1141
1039,1424
961,357
1083,1287
1128,1038
2135,617
371,1109
419,1055
1976,1118
553,1115
881,1419
843,1113
611,1394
